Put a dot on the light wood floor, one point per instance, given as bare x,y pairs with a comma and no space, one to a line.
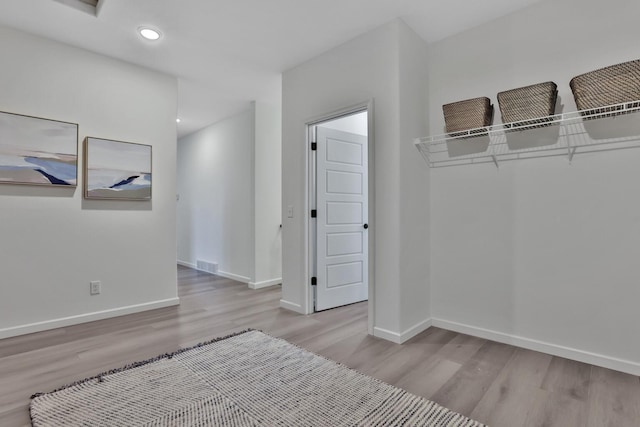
493,383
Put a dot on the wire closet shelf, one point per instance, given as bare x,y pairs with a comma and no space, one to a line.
607,128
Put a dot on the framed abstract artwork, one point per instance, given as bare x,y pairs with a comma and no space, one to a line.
36,151
116,170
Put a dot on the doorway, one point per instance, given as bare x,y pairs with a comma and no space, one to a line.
339,216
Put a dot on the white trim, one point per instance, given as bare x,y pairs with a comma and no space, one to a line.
187,264
84,318
231,276
404,336
371,164
309,235
386,335
288,305
265,283
609,362
308,293
415,330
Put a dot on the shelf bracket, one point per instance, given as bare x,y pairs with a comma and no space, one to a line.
495,161
572,151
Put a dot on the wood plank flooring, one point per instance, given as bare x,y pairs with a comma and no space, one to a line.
494,383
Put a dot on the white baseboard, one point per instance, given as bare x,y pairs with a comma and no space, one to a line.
187,264
291,306
621,365
84,318
265,283
386,335
415,330
232,276
405,336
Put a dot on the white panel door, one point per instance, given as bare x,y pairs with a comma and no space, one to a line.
341,223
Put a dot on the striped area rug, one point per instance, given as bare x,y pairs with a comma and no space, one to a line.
247,379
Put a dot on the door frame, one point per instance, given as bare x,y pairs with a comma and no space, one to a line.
310,201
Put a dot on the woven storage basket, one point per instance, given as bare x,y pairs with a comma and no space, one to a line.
528,105
462,116
607,86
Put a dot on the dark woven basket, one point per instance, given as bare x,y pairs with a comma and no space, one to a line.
530,105
607,86
463,116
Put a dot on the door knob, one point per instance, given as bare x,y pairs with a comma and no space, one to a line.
366,226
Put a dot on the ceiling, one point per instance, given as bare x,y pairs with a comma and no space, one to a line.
226,53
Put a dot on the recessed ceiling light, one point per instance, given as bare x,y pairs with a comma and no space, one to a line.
149,33
177,120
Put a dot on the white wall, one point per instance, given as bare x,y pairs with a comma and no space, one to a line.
415,235
350,74
216,190
268,195
229,186
53,242
369,67
541,253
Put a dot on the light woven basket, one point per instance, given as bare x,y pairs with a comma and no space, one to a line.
529,105
468,115
616,84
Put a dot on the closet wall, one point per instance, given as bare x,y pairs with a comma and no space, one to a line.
541,253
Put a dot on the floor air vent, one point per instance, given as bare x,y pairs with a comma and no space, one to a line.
209,267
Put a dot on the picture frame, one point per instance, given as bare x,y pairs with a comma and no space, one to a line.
38,151
117,170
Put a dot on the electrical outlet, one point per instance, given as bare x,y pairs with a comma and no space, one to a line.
95,287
